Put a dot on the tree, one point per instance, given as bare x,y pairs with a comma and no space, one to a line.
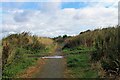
64,36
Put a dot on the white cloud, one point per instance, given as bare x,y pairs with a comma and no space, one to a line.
52,21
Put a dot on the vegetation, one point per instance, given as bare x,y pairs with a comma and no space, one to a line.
17,48
91,54
105,44
0,60
0,51
61,39
78,62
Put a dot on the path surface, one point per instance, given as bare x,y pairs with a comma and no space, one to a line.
53,68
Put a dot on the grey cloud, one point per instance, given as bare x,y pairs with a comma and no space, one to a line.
23,16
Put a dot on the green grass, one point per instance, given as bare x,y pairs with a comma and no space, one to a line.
78,63
17,67
78,50
78,60
17,48
82,73
20,62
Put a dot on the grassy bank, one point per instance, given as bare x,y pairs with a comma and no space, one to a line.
18,65
105,56
78,63
18,48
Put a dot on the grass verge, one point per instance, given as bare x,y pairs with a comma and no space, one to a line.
79,64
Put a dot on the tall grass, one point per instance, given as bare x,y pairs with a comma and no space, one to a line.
17,48
20,62
106,47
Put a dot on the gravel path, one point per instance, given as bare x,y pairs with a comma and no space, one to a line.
53,68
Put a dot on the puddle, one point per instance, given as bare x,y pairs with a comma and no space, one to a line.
49,57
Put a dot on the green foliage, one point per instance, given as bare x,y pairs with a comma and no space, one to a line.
20,62
78,50
16,48
80,60
105,44
90,74
64,36
72,61
79,64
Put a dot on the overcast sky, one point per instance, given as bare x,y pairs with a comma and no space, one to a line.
52,19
